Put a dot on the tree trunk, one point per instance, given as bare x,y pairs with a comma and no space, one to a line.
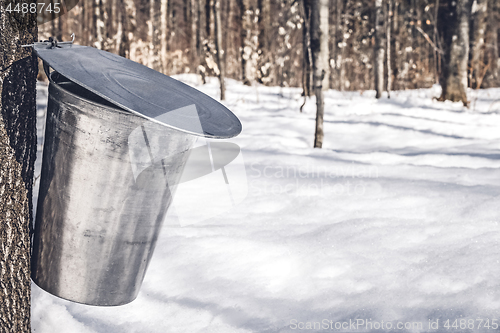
477,59
119,14
324,54
19,69
398,51
245,33
493,78
265,66
201,70
171,27
109,30
83,22
114,33
338,52
129,25
206,33
437,55
154,30
60,28
379,49
195,36
306,50
218,46
332,44
186,10
228,34
344,32
208,13
343,22
317,8
389,67
164,35
91,20
100,24
454,22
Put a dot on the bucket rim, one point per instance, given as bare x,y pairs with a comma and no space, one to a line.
115,107
77,96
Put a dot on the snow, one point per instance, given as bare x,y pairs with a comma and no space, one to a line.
394,220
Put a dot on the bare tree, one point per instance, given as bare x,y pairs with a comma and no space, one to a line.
493,60
341,59
154,32
266,48
164,34
170,21
305,11
379,48
324,53
388,33
480,9
129,25
318,10
195,35
120,24
218,46
454,23
100,25
245,33
19,68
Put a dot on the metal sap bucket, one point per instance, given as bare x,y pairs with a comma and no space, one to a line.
108,171
96,223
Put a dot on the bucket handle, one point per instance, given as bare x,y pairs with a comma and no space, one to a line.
46,69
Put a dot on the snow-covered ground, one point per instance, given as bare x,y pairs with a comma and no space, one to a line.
396,219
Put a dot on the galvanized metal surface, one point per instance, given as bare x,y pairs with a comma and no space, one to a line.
105,188
141,90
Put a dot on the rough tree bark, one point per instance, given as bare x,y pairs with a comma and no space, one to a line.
388,37
218,46
202,38
379,48
437,55
100,24
398,45
324,53
265,65
119,14
18,71
208,14
492,78
454,23
195,36
338,53
91,21
171,30
317,9
129,25
164,34
332,44
154,32
245,33
306,51
477,59
341,60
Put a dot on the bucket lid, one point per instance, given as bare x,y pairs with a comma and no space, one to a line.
142,90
